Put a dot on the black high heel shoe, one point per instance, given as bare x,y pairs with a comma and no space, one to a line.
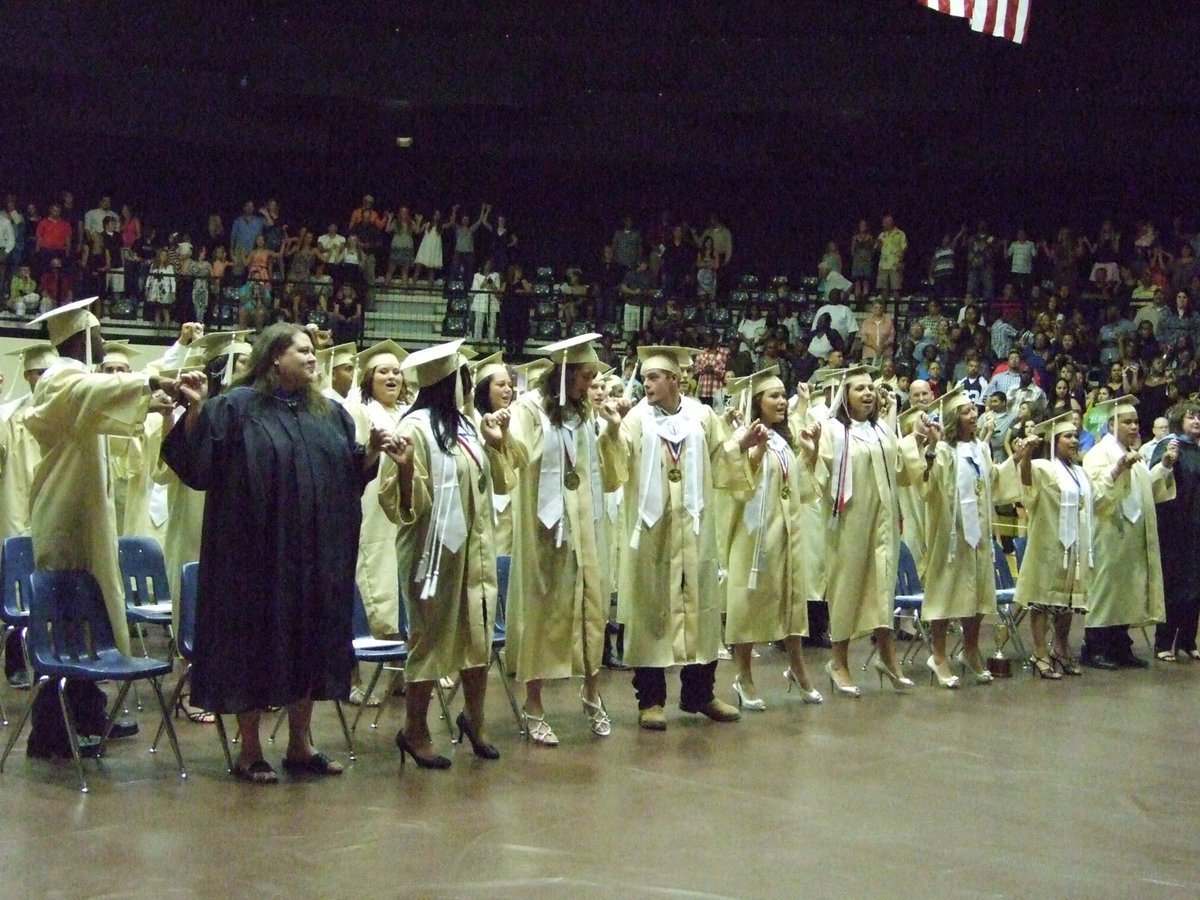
482,750
423,762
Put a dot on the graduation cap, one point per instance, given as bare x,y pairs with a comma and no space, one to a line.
950,402
120,352
576,350
482,369
433,364
529,373
1052,428
1117,406
68,320
665,358
908,419
215,344
377,354
35,356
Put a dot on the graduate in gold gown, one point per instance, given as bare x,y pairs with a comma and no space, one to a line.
1059,500
558,595
495,390
857,471
1127,583
671,452
436,487
961,486
766,586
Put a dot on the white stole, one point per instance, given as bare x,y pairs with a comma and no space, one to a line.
967,502
1131,503
1075,491
680,428
448,524
841,483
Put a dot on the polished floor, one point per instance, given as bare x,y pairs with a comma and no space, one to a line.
1026,788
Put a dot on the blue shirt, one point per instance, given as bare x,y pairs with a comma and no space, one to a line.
245,232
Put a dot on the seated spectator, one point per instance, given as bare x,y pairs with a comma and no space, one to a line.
346,316
1178,319
570,295
255,304
57,285
23,296
824,340
841,316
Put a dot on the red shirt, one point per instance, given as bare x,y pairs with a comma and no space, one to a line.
54,234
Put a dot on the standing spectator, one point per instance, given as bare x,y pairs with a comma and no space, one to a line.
677,265
709,367
515,307
606,286
627,245
862,259
274,228
160,288
707,266
981,260
8,243
485,291
213,235
367,229
429,254
941,266
53,238
402,252
841,316
17,222
878,334
463,265
346,316
892,244
93,220
637,289
1021,253
30,254
245,231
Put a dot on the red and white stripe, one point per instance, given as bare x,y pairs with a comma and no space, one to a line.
1008,19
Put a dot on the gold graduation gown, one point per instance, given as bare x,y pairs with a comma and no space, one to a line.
558,594
959,580
1051,576
667,587
185,523
862,549
133,461
73,520
777,606
376,572
19,456
1127,582
451,630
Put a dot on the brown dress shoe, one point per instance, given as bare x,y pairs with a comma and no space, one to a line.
717,710
652,719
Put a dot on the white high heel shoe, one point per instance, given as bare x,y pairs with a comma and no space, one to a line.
846,690
948,682
538,730
979,676
596,713
743,701
808,695
900,684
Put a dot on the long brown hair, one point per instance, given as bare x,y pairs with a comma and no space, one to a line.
548,385
260,371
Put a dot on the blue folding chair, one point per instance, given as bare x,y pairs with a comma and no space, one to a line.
144,575
70,636
908,602
1006,589
185,643
16,567
367,649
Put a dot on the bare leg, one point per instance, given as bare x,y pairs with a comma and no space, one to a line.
416,710
841,664
474,682
1039,625
1062,633
970,651
251,751
886,644
938,629
741,660
533,698
794,644
591,687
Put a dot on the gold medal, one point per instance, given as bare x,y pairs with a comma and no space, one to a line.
673,474
571,480
978,488
482,482
785,491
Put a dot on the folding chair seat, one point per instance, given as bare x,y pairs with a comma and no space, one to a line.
185,643
368,649
70,636
144,576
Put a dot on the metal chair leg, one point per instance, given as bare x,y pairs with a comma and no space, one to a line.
512,700
224,741
441,695
367,695
337,704
174,704
72,735
166,720
112,716
278,722
16,732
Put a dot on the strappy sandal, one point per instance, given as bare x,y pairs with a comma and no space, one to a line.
1044,668
193,713
258,772
1067,664
539,730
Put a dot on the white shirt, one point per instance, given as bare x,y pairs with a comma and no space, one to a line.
841,319
334,246
8,238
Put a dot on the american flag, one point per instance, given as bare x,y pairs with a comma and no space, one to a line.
1008,19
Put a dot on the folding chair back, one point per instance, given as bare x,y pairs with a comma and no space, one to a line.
144,573
16,567
503,568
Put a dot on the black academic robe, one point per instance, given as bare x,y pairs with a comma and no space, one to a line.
278,549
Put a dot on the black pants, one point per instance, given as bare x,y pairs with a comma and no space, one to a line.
695,685
48,734
1179,631
14,654
1112,641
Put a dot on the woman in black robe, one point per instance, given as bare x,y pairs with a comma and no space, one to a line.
283,476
